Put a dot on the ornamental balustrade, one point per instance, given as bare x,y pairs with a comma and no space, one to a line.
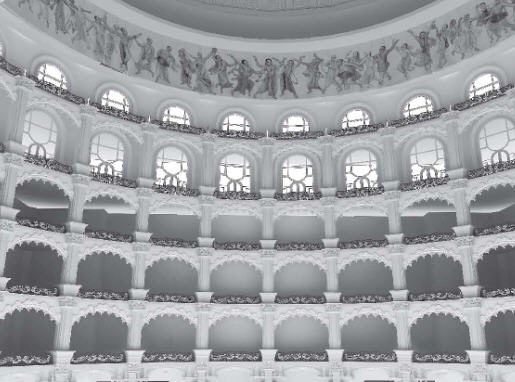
33,290
295,246
117,113
419,118
113,179
178,243
360,192
26,360
283,136
236,195
424,183
238,134
440,358
300,300
293,196
495,229
483,98
435,296
369,357
170,297
490,169
57,90
235,356
501,292
501,359
354,130
236,299
429,238
366,299
51,164
93,358
168,357
38,224
301,356
179,127
173,190
236,246
103,294
108,235
366,243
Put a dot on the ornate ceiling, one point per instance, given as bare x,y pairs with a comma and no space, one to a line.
277,19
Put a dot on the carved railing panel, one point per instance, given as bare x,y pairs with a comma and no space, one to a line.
237,246
103,295
172,190
51,164
366,299
38,224
113,179
300,300
168,297
301,356
363,129
170,242
33,290
424,183
93,358
435,296
26,360
235,357
237,195
366,243
369,357
236,299
429,238
481,99
168,357
501,359
107,235
495,229
501,292
490,169
294,246
423,117
360,192
441,358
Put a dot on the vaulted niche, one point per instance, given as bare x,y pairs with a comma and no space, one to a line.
99,333
362,224
174,221
236,278
41,201
235,334
496,269
301,334
171,276
236,228
500,336
365,277
434,274
428,216
109,214
369,334
168,333
494,206
300,279
440,333
299,228
104,271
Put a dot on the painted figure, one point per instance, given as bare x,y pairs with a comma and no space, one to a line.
201,80
268,78
164,62
111,35
369,72
44,11
331,75
352,65
28,2
405,66
146,57
59,14
288,79
442,44
423,55
99,25
381,59
125,48
78,22
466,40
244,73
313,73
220,68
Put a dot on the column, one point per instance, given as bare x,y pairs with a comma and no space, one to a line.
202,350
267,168
454,154
329,206
327,186
12,167
146,175
6,235
459,189
268,260
394,217
478,353
134,353
74,246
62,354
206,213
88,117
76,209
268,327
16,118
399,292
468,267
390,178
331,259
208,185
267,208
403,352
144,197
335,351
204,294
138,291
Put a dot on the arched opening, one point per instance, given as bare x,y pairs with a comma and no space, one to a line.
235,334
235,122
171,276
497,141
174,222
493,207
496,269
167,334
427,160
115,99
26,332
300,279
355,118
171,167
301,334
418,105
440,333
427,217
299,229
176,114
40,134
104,213
107,155
482,84
104,271
33,264
295,123
236,228
500,337
99,333
365,277
362,224
52,74
361,170
236,279
369,334
436,273
297,175
43,202
235,174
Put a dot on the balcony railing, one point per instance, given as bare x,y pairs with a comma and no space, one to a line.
103,294
93,358
495,229
33,290
173,126
51,164
236,246
168,357
481,99
360,192
490,169
366,299
369,357
235,356
113,179
422,117
235,299
38,224
297,135
501,292
441,358
363,129
435,296
238,134
501,359
117,113
366,243
26,360
110,236
300,300
173,190
293,196
294,246
424,183
301,356
429,238
170,242
237,195
169,297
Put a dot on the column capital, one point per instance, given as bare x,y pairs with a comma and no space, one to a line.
205,251
89,111
267,203
329,201
333,308
67,302
472,303
330,253
458,184
206,200
73,238
395,249
401,306
268,308
208,138
326,139
451,115
13,159
137,306
203,308
266,141
141,247
267,254
144,193
25,83
80,180
392,195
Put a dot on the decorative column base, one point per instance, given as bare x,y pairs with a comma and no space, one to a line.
8,213
145,182
470,291
207,190
335,355
267,193
202,355
3,283
141,237
267,244
62,357
71,290
478,361
76,227
332,297
134,369
204,297
457,173
404,356
138,294
463,230
331,243
134,356
81,168
268,355
206,241
392,185
395,238
15,147
400,295
267,297
328,192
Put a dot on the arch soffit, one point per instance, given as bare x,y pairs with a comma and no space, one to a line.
163,254
179,202
121,131
406,142
34,305
113,193
370,204
170,311
224,208
56,109
101,308
374,147
436,252
248,152
446,310
284,261
51,180
490,314
488,183
301,313
220,315
492,243
192,152
253,262
363,257
125,256
37,240
412,198
369,312
477,120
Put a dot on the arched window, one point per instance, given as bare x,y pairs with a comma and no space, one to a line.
234,174
236,122
176,114
295,123
427,159
52,74
360,169
497,141
172,167
39,134
113,98
355,118
106,155
418,105
297,174
483,84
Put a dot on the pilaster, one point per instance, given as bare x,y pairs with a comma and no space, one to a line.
63,331
12,167
394,216
453,154
326,142
470,277
477,332
140,251
24,90
74,245
88,116
135,325
206,214
268,340
463,218
267,169
208,160
268,260
75,212
389,167
204,254
148,155
329,206
335,338
331,261
399,293
202,339
403,329
142,216
6,235
267,208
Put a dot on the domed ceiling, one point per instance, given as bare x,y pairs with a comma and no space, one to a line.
278,19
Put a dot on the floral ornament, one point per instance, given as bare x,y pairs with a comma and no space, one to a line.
501,359
360,192
236,299
369,357
424,183
26,360
33,290
435,296
422,117
168,357
297,135
103,294
239,134
57,91
107,235
294,246
173,190
366,299
481,99
294,196
113,179
300,300
490,169
501,292
168,297
235,357
169,242
366,243
237,195
429,238
237,246
301,356
92,358
180,127
38,224
495,229
50,164
441,358
115,112
354,130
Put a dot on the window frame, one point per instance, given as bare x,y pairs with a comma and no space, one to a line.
97,169
472,92
364,180
429,106
178,183
185,119
53,130
367,120
225,126
310,173
428,170
106,102
222,173
482,149
306,125
41,74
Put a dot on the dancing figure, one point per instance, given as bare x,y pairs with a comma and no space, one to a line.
78,22
220,68
466,40
331,75
352,64
203,83
405,66
313,73
125,48
146,57
110,44
442,43
99,25
244,72
269,78
59,14
288,79
369,72
164,62
44,11
381,60
424,54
